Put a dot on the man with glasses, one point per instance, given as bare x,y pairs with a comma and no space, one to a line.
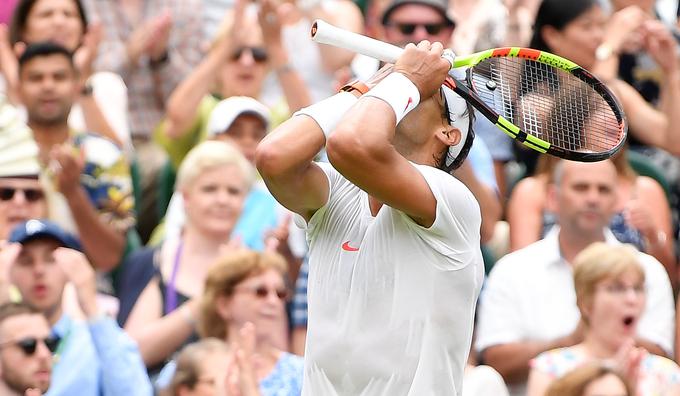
411,21
26,348
94,356
21,192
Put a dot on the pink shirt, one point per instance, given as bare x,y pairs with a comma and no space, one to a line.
6,8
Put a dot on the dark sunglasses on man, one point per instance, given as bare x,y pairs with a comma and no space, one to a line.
259,54
408,28
30,344
30,194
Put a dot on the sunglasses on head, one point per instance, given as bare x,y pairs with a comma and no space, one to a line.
409,28
31,194
30,344
259,54
263,292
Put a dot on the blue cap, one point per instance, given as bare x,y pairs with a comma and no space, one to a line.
33,229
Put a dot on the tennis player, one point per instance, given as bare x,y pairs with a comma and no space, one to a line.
395,266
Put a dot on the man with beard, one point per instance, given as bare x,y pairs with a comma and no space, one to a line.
26,348
90,174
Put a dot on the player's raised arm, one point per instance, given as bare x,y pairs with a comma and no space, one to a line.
367,151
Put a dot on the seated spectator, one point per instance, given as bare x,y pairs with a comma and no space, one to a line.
90,174
26,349
250,50
95,357
22,196
610,294
528,304
101,106
592,379
214,181
201,369
243,122
642,213
244,303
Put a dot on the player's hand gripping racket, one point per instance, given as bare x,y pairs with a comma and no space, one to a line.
546,102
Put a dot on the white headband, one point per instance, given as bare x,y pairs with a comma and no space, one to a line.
459,115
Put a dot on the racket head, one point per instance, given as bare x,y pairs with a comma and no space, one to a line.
546,102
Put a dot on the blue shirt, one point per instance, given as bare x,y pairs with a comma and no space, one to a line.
96,358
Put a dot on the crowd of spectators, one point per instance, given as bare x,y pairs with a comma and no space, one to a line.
141,253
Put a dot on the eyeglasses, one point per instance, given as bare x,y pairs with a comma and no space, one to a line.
263,291
30,344
31,194
408,28
259,54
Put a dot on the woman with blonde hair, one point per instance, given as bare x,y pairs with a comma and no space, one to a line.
247,288
592,379
611,296
162,286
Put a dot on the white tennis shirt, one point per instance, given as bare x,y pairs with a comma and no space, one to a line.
391,303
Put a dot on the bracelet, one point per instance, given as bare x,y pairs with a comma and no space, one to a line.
355,85
397,91
329,111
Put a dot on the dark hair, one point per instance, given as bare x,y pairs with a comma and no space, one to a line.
10,309
20,18
44,48
558,14
470,112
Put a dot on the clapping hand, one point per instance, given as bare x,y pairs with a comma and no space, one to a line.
81,274
242,377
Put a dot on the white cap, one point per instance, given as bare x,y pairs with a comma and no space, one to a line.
18,149
227,110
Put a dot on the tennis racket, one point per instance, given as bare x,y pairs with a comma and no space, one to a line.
546,102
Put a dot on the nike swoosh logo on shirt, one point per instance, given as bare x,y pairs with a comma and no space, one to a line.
347,247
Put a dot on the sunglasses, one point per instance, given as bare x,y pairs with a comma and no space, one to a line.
408,28
30,344
259,54
31,194
262,292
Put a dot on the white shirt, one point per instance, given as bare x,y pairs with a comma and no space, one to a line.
391,303
530,295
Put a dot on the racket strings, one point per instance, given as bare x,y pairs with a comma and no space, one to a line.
548,103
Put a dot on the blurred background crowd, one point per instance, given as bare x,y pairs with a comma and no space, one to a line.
142,254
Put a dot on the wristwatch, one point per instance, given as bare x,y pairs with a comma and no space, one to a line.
355,85
603,52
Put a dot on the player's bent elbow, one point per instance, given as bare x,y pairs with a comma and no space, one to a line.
268,160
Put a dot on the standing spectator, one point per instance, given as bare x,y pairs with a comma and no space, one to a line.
90,173
610,293
26,348
101,106
152,45
528,304
95,357
22,196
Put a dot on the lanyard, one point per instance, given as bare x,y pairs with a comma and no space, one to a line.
170,291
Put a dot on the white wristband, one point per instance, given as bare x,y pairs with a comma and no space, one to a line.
329,111
398,92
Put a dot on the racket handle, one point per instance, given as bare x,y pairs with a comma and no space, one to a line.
325,33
